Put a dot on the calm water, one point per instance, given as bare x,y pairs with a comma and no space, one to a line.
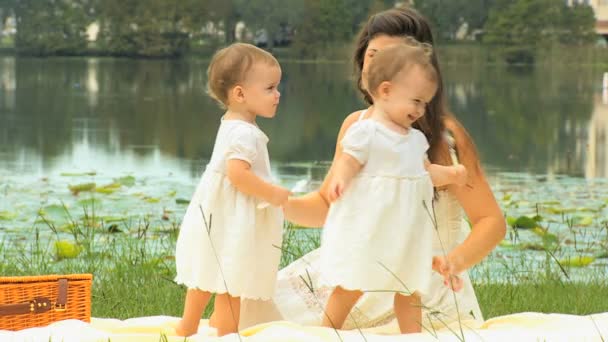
153,116
541,135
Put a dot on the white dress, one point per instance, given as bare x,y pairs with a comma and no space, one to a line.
301,299
378,235
294,300
239,253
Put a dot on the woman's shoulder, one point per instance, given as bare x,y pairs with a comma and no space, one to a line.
354,117
350,120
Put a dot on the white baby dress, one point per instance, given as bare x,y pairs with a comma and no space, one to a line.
378,235
240,252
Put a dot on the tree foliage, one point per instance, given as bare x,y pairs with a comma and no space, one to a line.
159,28
522,26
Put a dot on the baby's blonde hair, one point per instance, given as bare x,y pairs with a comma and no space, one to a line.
394,60
229,67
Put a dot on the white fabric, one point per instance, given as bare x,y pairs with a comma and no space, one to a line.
294,301
242,238
521,327
377,236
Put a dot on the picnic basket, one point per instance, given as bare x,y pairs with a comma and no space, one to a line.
35,301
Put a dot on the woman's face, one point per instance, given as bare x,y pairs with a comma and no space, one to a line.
376,44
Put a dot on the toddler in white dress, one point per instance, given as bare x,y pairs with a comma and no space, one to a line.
378,233
230,237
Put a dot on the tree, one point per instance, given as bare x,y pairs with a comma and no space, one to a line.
152,28
47,27
323,23
7,8
521,26
447,16
275,17
579,23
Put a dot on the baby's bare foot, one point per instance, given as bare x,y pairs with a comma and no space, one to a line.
181,329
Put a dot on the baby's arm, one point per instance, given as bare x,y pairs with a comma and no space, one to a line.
445,175
346,168
244,180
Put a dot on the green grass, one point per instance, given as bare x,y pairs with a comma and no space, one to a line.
542,296
133,273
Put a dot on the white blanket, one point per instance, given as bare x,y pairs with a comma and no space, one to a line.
516,327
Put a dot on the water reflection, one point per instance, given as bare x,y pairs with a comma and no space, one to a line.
597,153
69,114
92,86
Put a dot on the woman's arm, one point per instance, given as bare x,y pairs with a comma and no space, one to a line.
345,168
479,204
442,175
310,210
244,180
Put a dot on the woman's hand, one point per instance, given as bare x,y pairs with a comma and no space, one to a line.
460,175
336,188
442,266
279,196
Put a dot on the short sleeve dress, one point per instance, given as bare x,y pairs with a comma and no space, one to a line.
235,247
378,236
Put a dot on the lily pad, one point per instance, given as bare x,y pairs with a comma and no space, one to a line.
525,222
113,219
550,239
584,221
76,189
77,174
128,181
67,228
532,247
54,213
181,201
511,221
67,250
108,188
7,215
560,210
90,203
506,244
579,261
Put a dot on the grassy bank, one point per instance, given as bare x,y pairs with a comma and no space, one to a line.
542,296
468,53
134,276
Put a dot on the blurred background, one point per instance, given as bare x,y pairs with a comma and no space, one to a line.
109,84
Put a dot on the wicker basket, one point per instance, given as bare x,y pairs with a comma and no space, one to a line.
36,301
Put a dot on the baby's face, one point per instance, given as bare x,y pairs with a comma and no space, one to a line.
261,91
408,96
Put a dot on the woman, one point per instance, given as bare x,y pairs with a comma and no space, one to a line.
299,300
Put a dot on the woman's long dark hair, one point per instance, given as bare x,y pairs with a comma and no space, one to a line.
406,22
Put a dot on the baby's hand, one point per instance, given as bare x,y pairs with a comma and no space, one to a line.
279,197
460,175
442,266
336,188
